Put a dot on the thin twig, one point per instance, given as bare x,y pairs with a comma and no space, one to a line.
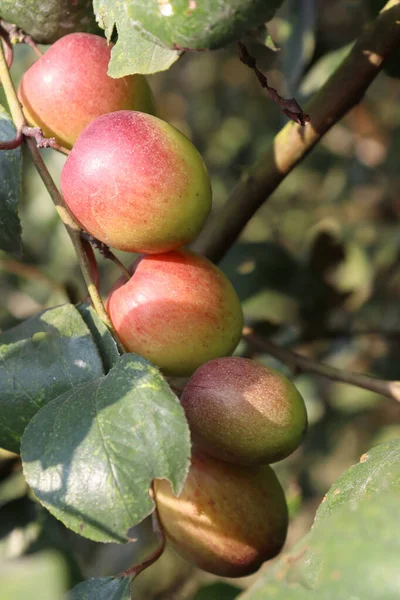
390,389
290,107
331,334
343,90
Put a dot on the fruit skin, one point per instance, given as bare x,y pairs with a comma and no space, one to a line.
178,311
48,20
244,412
68,87
228,519
136,183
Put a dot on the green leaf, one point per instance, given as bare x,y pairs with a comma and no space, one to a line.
10,185
48,20
151,33
40,359
91,454
135,52
104,340
377,471
106,588
38,578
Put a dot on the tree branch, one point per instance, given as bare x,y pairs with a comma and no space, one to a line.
342,91
390,389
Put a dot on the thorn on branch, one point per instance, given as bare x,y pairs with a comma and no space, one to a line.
290,107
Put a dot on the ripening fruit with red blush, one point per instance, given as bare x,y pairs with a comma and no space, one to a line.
68,87
178,310
244,412
228,519
137,183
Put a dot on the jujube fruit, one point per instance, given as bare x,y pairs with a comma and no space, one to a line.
244,412
137,183
228,520
178,311
68,87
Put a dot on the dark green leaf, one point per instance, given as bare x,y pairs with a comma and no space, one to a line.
106,588
377,471
40,359
151,33
48,20
91,454
105,343
38,578
10,184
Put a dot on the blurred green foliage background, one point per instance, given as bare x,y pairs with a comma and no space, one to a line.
317,268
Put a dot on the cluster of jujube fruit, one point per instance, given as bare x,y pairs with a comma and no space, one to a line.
137,184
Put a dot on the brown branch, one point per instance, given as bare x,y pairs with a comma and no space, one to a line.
290,107
390,389
342,91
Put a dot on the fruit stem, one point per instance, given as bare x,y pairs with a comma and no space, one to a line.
343,90
390,389
72,227
154,556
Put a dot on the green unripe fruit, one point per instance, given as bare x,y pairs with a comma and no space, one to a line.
243,412
48,20
228,520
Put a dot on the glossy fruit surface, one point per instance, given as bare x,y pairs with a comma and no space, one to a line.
178,311
244,412
48,20
136,183
228,519
68,87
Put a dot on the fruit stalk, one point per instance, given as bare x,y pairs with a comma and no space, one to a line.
72,227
